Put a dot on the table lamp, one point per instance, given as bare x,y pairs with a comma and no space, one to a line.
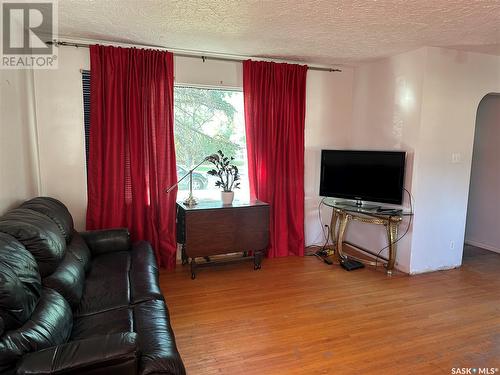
190,200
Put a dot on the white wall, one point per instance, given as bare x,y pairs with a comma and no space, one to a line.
455,83
59,112
425,102
193,71
386,116
19,178
483,213
327,126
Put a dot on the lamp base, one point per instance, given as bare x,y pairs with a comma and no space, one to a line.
190,201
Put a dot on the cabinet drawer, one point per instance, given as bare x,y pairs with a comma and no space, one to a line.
221,231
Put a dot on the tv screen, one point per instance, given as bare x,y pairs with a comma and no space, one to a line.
376,176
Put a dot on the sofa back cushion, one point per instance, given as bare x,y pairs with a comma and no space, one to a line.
57,212
39,235
68,279
19,283
78,247
50,324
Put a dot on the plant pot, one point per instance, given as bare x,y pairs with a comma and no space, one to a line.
227,197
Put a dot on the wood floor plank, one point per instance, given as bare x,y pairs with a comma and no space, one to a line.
301,316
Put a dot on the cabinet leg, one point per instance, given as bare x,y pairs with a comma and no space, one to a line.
193,268
257,260
183,255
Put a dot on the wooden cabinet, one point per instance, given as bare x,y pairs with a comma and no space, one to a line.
211,228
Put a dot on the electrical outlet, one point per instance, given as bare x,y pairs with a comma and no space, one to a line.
456,157
452,245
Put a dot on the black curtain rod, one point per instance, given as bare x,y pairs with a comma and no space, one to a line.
203,57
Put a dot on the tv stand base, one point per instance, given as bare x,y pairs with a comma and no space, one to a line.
342,215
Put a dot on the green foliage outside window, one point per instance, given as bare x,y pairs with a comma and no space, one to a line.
204,123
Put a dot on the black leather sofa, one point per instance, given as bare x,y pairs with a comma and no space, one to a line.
79,303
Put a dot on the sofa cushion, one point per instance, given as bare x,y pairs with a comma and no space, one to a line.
144,283
150,321
104,355
78,247
107,322
102,241
132,274
107,284
68,279
156,340
19,283
49,325
39,235
54,209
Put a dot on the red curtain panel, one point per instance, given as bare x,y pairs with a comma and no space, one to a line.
275,97
131,146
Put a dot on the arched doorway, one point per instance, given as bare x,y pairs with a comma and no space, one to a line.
482,235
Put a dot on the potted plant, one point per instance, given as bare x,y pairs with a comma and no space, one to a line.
227,175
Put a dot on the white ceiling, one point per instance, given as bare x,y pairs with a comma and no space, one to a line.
313,31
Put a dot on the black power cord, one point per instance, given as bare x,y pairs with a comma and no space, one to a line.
404,234
326,240
322,254
325,236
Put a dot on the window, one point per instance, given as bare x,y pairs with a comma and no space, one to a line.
208,120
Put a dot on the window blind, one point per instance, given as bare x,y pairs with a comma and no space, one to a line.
86,110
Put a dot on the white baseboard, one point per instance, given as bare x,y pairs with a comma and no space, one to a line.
428,270
482,246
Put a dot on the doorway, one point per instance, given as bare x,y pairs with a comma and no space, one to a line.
482,234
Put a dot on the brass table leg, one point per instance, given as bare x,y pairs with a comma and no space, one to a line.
392,234
333,230
344,218
338,226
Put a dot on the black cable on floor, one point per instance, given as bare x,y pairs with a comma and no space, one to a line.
404,234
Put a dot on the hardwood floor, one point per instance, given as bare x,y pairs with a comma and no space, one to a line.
301,316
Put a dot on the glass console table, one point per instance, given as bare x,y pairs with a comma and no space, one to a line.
343,213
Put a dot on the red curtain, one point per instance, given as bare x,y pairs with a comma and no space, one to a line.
131,147
275,97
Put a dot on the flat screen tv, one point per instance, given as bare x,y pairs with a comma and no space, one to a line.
375,176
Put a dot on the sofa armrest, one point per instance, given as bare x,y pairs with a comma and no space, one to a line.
114,353
107,240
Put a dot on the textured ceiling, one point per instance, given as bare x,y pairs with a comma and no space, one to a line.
312,31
